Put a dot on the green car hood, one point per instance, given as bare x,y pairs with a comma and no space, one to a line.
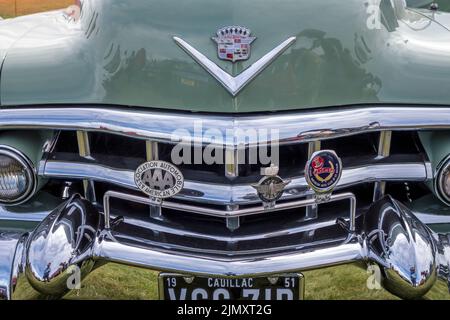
123,53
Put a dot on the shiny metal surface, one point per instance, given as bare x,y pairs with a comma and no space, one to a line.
234,84
384,149
404,248
389,231
6,215
313,146
166,127
236,194
8,243
183,231
429,219
111,250
84,150
63,240
236,213
174,127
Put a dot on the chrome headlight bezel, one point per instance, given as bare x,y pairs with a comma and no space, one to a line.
442,172
30,172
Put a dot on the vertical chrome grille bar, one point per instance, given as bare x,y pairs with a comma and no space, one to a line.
384,150
231,172
84,150
152,154
151,149
311,211
231,163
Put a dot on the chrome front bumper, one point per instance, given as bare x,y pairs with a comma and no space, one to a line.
411,257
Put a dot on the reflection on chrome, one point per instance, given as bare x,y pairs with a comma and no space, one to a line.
412,258
293,127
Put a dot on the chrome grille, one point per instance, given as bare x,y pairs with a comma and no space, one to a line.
210,186
218,212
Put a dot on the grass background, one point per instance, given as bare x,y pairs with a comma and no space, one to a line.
113,281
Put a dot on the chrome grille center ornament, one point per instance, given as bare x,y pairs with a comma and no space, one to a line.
323,172
271,187
159,180
234,43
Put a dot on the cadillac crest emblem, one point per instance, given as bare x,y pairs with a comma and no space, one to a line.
233,43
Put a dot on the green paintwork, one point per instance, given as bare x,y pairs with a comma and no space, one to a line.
29,142
437,145
34,210
431,205
17,226
122,53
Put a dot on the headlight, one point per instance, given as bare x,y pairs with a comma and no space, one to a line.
17,178
443,181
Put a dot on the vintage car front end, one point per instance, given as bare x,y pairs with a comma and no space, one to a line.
128,136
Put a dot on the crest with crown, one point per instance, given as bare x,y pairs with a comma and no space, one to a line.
234,43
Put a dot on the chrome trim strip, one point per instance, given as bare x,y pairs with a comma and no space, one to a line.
234,84
152,154
384,149
7,215
236,194
217,252
220,213
293,127
84,150
313,146
432,218
180,231
151,150
231,163
109,249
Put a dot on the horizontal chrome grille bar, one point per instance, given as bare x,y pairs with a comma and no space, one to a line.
114,251
301,126
220,213
237,194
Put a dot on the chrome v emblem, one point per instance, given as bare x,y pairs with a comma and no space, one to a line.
234,84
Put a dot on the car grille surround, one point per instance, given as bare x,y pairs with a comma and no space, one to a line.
218,212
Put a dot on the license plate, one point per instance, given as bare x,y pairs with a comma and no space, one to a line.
182,287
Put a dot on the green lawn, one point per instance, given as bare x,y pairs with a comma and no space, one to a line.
113,281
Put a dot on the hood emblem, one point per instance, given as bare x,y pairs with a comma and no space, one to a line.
230,49
271,187
323,172
159,180
234,43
